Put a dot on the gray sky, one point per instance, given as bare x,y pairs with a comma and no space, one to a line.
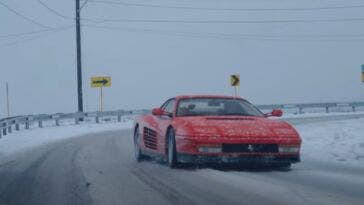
150,62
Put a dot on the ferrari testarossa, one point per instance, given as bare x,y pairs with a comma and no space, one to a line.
215,129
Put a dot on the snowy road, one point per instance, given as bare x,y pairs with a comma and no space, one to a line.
100,169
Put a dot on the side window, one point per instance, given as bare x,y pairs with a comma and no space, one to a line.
169,105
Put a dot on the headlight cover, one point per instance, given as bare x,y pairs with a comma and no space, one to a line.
289,148
210,149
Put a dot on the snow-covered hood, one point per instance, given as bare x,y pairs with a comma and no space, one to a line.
234,126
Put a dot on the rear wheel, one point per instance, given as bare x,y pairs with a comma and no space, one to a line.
137,151
172,153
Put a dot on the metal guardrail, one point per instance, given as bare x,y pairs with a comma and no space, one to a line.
302,106
7,124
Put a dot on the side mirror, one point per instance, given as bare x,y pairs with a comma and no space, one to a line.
158,111
275,113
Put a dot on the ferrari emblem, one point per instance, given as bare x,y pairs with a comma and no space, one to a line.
251,148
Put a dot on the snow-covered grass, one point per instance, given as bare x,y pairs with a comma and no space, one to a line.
305,115
23,140
335,141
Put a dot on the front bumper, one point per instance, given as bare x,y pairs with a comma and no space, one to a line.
269,159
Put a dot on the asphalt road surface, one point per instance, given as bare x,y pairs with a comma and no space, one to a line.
100,169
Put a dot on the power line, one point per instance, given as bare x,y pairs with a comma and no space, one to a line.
84,4
53,10
235,34
258,37
34,38
227,21
24,33
22,16
224,9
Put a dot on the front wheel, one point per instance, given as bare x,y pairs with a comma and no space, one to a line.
137,151
172,153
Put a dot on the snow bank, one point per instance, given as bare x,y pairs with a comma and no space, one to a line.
306,115
335,141
22,140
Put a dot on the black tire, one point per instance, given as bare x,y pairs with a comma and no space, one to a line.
137,151
171,151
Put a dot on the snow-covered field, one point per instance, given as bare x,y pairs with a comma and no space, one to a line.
334,141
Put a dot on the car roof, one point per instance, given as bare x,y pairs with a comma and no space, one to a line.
206,96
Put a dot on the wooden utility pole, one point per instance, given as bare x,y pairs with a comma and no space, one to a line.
79,63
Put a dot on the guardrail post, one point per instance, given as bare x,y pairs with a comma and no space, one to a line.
17,126
4,129
40,123
300,110
119,117
27,123
10,129
97,118
353,108
327,109
77,120
57,121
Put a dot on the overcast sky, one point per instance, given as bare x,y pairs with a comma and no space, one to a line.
286,62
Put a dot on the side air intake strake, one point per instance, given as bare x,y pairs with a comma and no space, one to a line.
150,138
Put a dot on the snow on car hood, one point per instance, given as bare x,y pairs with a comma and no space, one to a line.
234,126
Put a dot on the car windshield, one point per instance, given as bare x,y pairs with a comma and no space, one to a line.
216,107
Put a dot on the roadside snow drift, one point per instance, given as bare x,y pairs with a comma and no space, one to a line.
335,141
22,140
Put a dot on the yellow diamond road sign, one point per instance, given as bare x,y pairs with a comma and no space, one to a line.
100,81
235,80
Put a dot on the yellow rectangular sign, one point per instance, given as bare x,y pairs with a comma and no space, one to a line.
100,81
235,80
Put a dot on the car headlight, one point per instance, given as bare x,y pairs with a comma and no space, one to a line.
210,149
289,148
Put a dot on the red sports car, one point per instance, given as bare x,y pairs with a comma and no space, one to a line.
216,129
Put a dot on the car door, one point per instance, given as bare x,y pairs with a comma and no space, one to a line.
162,123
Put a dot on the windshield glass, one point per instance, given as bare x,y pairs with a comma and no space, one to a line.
216,107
